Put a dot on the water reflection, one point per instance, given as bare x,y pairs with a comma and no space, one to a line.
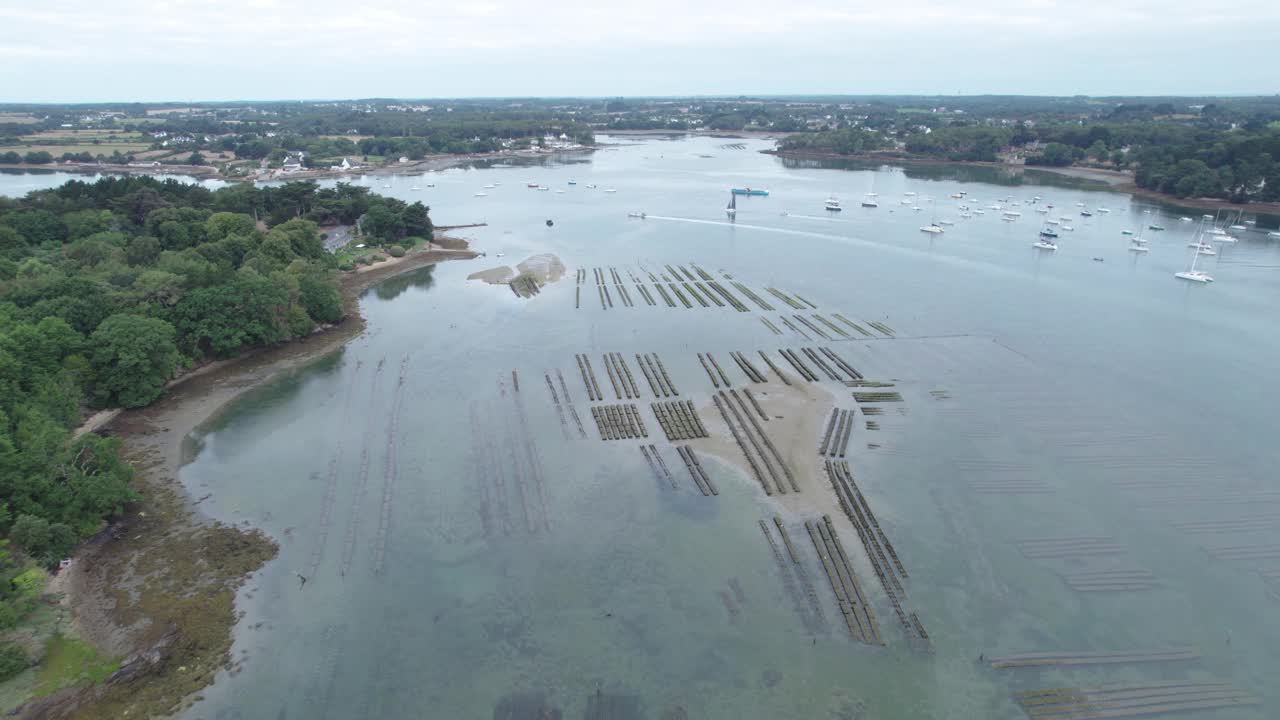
394,287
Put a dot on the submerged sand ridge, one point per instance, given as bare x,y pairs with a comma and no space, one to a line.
543,268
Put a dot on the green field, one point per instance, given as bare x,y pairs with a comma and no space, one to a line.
69,661
94,142
58,150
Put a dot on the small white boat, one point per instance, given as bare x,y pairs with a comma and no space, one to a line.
431,185
386,185
908,193
966,215
732,208
932,229
1191,273
591,186
573,182
1104,210
636,215
1079,204
1216,231
1067,228
482,194
1043,210
946,222
1012,213
956,195
832,205
1184,218
559,191
1194,276
1052,222
490,186
1064,218
979,212
610,190
1237,228
415,188
1045,245
1206,251
1199,244
906,201
543,188
1135,247
1225,238
1006,218
869,201
1273,234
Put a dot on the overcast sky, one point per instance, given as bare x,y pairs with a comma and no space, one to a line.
100,50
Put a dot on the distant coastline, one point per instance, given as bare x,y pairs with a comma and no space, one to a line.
209,172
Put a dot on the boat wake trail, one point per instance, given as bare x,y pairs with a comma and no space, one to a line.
848,240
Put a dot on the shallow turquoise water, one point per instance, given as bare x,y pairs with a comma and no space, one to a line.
1134,402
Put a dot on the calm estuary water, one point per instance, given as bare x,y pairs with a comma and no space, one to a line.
471,556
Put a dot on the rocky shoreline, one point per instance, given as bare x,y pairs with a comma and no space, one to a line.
158,586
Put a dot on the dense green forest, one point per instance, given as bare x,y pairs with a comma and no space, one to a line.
109,288
1228,151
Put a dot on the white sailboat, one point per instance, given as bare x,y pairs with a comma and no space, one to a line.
832,204
1045,244
732,208
869,200
1192,273
1200,244
933,228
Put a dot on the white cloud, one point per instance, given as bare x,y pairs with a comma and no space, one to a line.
135,48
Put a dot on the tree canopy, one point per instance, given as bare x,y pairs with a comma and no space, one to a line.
107,289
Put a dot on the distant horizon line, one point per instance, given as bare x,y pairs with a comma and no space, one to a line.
729,96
